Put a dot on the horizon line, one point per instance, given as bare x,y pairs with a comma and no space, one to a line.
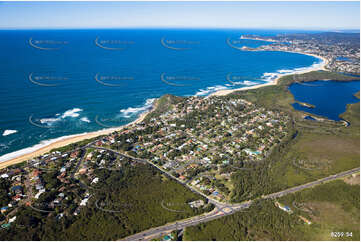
183,27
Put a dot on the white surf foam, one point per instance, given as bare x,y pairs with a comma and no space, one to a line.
131,111
32,148
9,132
249,83
209,90
48,121
85,119
3,147
71,113
270,76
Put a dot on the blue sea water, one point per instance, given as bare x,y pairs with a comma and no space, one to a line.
62,82
329,97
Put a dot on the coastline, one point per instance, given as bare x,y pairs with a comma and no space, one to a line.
265,40
42,148
47,145
320,66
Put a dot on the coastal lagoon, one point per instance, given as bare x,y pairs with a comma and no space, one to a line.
330,98
56,83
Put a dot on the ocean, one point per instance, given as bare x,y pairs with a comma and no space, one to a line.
56,83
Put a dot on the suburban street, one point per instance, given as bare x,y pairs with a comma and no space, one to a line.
218,211
221,209
218,204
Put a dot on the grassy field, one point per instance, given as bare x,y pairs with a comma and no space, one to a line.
313,156
331,207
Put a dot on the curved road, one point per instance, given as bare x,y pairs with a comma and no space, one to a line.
216,213
218,204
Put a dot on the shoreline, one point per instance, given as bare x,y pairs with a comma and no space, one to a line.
320,66
47,145
268,40
42,148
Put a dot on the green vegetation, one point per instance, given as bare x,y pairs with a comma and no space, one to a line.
313,155
311,151
333,207
330,207
162,105
4,192
135,195
279,97
200,137
107,196
316,76
353,111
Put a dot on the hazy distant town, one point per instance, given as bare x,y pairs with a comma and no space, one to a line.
341,50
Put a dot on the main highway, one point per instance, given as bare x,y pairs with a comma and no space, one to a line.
220,210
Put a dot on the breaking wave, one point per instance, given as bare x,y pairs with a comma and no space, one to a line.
209,90
131,111
85,119
9,132
71,113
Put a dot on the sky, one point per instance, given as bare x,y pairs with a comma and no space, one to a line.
264,15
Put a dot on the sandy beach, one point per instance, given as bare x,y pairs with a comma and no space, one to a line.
16,157
275,80
63,141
